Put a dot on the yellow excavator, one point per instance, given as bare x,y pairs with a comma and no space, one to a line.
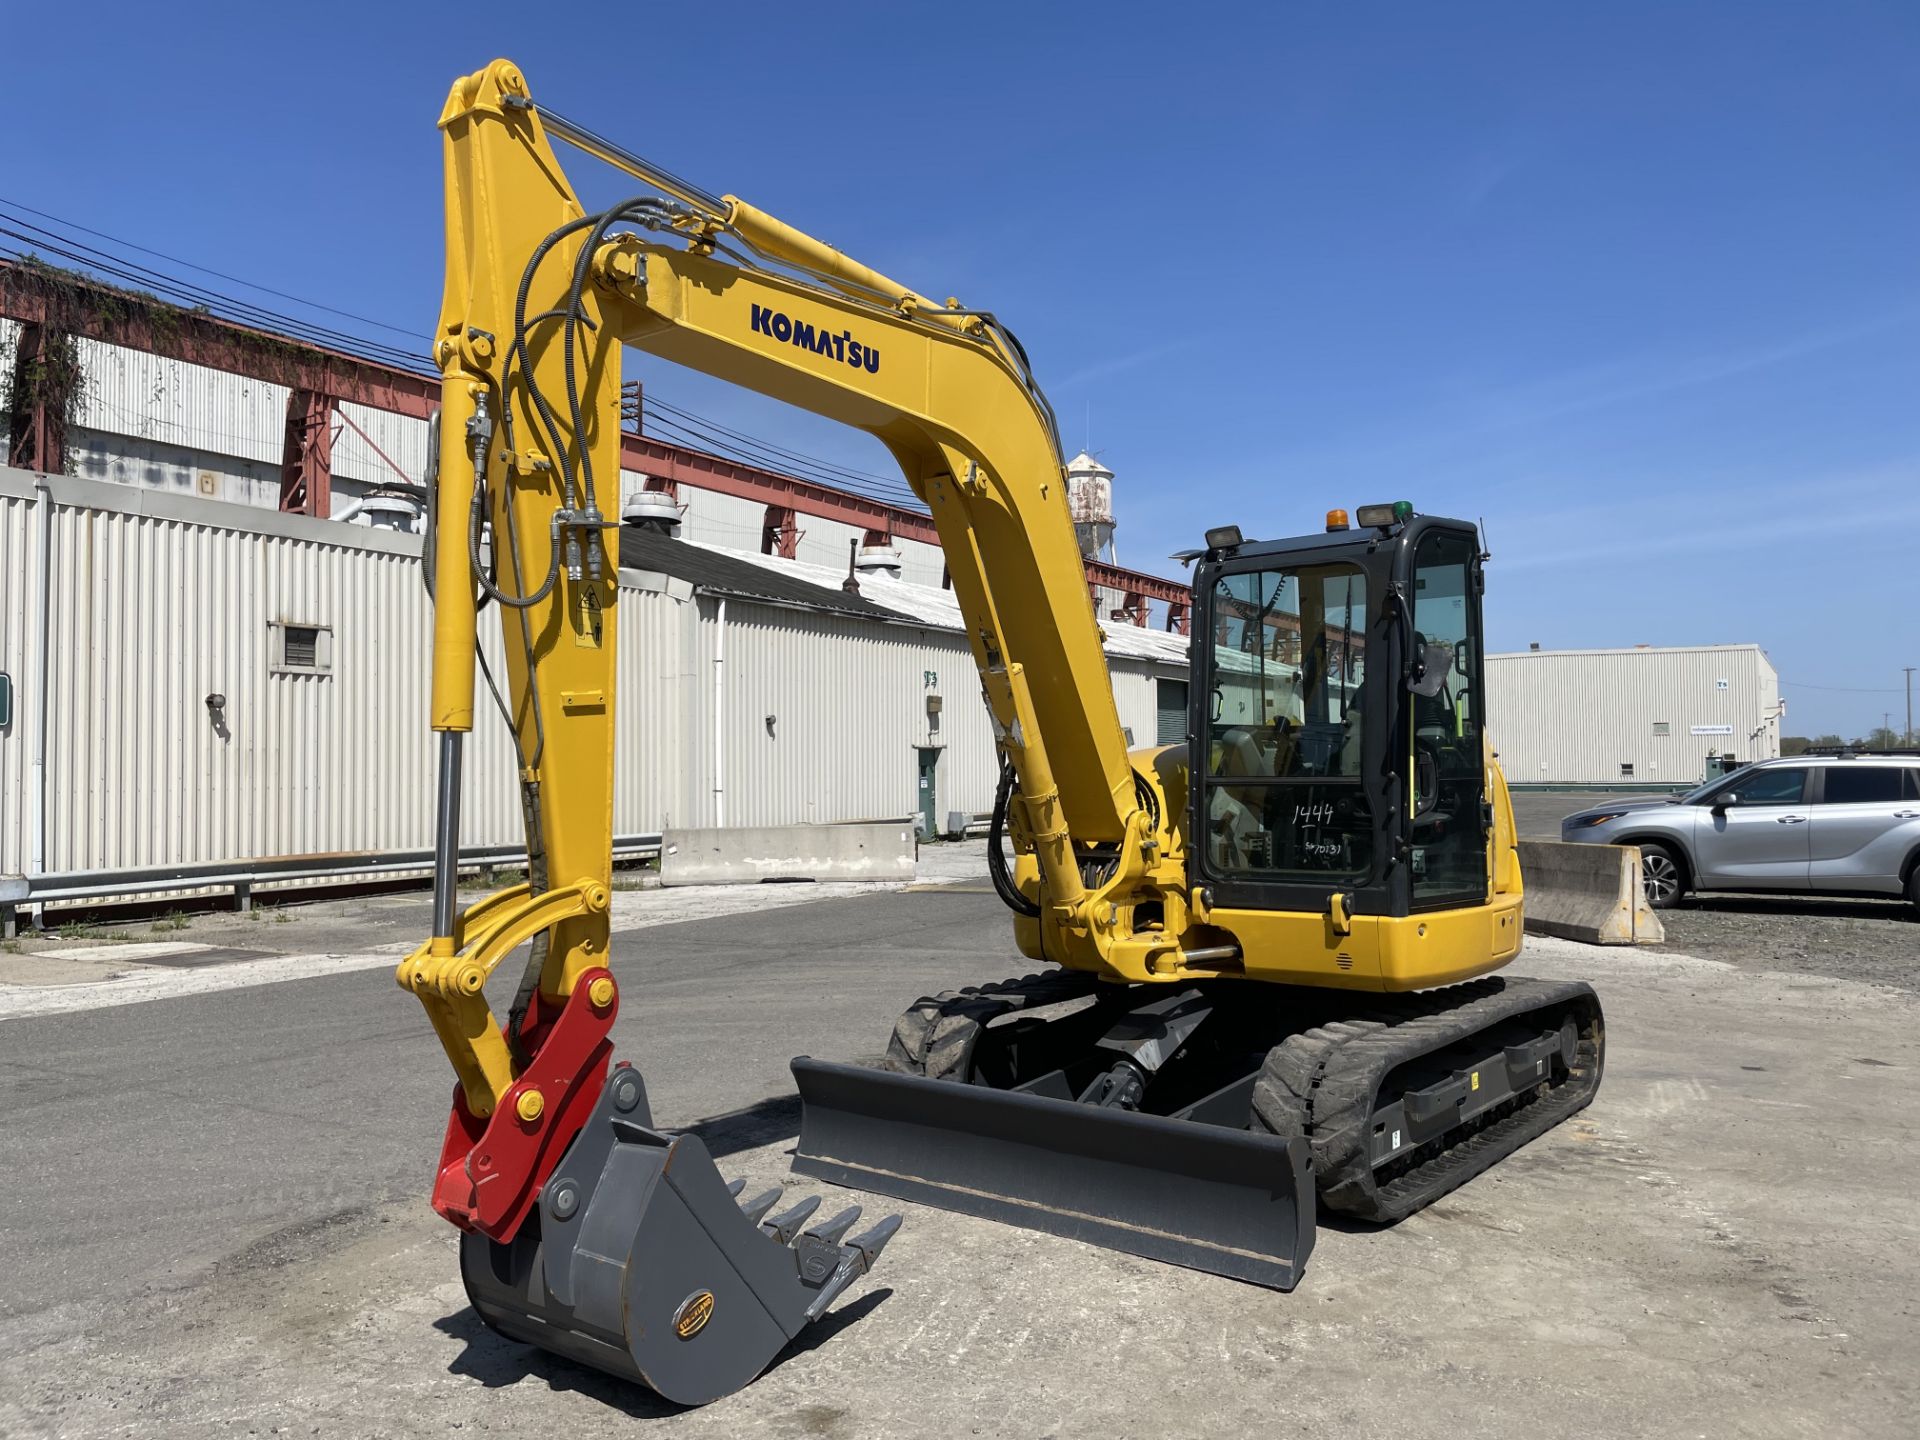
1269,953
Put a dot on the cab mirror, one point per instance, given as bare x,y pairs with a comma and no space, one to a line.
1430,670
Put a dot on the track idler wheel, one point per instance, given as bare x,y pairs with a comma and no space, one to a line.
642,1261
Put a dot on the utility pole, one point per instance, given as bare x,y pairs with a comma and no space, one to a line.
1909,670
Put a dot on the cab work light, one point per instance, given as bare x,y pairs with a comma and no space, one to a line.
1224,537
1383,517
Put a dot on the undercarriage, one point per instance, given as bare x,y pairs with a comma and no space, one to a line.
1204,1125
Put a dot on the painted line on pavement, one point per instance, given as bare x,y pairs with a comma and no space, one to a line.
138,950
633,912
136,987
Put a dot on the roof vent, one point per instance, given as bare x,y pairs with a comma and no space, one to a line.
879,560
653,510
388,512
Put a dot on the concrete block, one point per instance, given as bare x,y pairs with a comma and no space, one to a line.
748,854
1590,893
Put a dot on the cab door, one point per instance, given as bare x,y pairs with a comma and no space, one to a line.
1756,833
1447,771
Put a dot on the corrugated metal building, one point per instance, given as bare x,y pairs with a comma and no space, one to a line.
315,638
1642,716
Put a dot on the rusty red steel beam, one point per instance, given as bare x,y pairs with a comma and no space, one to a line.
667,461
262,355
223,345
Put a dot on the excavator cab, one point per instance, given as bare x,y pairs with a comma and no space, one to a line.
1336,732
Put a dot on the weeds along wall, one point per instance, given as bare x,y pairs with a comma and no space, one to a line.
316,636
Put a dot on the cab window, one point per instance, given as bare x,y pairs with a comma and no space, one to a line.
1449,854
1286,674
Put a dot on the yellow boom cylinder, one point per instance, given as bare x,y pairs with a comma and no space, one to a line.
453,609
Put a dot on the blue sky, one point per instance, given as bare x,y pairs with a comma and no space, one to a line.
1639,284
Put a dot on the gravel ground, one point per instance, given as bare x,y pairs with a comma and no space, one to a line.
1876,941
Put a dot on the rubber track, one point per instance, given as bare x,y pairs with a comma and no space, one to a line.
1323,1083
937,1035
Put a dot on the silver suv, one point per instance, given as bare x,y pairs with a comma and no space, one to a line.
1819,824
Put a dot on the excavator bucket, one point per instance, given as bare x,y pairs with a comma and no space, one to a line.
1227,1201
642,1261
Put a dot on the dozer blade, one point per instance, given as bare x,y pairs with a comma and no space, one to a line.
640,1260
1230,1202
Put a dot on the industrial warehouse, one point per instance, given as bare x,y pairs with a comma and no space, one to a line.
232,682
1645,717
705,840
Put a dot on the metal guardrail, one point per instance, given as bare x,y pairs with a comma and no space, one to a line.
964,824
243,877
1601,787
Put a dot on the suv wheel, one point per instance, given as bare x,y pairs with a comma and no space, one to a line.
1913,886
1666,881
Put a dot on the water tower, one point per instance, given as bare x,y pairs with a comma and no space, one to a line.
1090,497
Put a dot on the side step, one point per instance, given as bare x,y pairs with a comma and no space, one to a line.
1229,1202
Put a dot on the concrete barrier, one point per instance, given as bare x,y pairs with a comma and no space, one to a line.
877,850
1591,893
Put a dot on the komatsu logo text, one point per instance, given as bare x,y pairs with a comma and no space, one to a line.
841,346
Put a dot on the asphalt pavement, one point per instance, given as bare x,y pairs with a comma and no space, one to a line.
215,1222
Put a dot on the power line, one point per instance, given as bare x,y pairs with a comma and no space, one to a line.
889,481
769,457
696,440
217,274
191,296
683,426
1846,689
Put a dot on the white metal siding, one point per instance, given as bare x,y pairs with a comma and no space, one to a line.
9,333
134,392
402,439
659,701
19,583
849,701
1135,695
1576,716
160,601
175,469
152,614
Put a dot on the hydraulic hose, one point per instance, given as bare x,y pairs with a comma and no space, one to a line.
1003,885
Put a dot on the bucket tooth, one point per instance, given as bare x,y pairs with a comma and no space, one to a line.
831,1230
784,1226
644,1262
756,1208
820,1253
871,1242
